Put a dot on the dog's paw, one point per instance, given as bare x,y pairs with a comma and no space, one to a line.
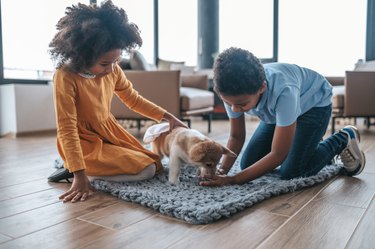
175,183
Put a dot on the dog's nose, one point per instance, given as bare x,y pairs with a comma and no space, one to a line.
209,164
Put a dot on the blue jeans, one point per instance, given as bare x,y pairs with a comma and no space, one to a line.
308,154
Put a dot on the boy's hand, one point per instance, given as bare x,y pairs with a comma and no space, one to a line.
217,180
80,189
221,171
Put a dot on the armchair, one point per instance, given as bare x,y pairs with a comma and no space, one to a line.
183,96
353,95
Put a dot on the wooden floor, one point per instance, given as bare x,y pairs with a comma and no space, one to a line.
335,214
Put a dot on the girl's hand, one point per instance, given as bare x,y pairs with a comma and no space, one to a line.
217,180
80,189
173,121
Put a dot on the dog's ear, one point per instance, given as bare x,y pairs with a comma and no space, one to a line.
196,153
228,152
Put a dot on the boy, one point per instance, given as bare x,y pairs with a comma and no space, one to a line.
294,106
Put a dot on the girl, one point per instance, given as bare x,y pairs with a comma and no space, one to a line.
294,106
87,47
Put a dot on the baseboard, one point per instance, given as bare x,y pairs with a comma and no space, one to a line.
29,134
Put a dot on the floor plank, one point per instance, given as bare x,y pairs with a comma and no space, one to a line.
30,188
70,234
318,225
28,202
30,163
351,191
370,158
158,232
118,216
244,230
18,176
4,238
45,216
4,196
290,203
335,214
363,236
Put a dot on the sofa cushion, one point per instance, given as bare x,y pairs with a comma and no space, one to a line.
338,98
365,66
199,81
336,80
166,64
124,63
138,62
192,98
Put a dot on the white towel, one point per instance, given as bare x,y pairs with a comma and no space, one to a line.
154,131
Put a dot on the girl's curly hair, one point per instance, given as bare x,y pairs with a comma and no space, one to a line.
237,71
87,32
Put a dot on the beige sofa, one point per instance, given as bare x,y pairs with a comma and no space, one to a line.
182,95
353,95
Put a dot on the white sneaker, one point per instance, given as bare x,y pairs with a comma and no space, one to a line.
352,157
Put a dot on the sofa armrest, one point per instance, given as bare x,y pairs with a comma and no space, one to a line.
195,81
336,80
160,87
359,91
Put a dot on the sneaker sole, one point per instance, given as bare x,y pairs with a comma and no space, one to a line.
359,169
362,165
357,133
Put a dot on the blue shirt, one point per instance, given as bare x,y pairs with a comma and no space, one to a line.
291,91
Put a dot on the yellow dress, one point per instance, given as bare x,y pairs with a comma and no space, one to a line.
88,135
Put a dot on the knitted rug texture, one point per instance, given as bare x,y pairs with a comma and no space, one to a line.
202,205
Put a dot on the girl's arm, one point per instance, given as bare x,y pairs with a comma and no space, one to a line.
65,97
68,138
133,100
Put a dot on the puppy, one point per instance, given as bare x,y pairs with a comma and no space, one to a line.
184,145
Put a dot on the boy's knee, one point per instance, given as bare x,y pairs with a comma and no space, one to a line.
287,173
244,164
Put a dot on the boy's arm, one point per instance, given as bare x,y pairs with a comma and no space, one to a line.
282,141
281,144
235,142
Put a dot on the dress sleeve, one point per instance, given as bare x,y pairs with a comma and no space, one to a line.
132,99
65,96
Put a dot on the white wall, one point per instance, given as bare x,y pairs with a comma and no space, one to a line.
7,109
26,108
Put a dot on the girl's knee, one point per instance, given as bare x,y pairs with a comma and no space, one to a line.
148,172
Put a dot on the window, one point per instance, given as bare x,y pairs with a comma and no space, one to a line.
141,12
27,29
247,24
178,31
326,36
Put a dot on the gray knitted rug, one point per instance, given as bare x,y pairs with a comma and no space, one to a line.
201,205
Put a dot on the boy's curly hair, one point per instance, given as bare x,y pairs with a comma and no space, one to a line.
237,71
86,32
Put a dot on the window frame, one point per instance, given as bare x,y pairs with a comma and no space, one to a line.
370,36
